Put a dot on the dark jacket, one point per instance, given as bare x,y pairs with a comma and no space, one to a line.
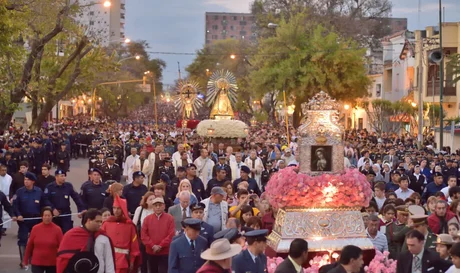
286,267
430,260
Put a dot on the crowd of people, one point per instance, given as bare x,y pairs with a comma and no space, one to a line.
167,200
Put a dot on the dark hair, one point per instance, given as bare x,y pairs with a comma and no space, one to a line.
297,248
46,165
380,185
254,220
453,191
24,163
404,178
455,250
452,176
46,209
245,209
389,207
350,252
372,204
104,210
90,214
415,234
374,217
455,225
391,193
241,192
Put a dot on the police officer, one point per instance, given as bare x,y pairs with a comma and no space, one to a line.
253,258
111,170
94,191
58,194
185,251
133,192
167,168
39,156
207,231
63,157
100,162
27,203
91,151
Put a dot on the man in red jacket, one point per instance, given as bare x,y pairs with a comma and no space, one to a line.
123,235
157,232
83,242
438,221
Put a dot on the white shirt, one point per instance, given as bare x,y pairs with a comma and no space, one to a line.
5,183
103,252
379,201
453,269
137,214
403,194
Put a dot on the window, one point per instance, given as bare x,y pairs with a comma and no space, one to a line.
215,27
242,32
224,27
214,37
208,42
91,13
378,90
224,22
224,17
360,123
232,27
235,18
243,23
216,17
91,23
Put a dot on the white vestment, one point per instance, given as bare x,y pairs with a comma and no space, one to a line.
204,169
129,166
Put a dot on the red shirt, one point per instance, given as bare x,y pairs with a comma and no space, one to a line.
43,243
158,231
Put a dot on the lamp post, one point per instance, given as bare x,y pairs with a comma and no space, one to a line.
148,73
441,80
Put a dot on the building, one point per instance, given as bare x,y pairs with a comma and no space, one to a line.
105,24
222,25
430,81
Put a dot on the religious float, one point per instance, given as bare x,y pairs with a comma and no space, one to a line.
320,201
222,97
188,102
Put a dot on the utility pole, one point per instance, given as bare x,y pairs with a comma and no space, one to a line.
441,81
420,90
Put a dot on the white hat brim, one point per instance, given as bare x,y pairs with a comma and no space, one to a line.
209,256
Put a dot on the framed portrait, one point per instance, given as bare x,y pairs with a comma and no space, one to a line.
321,158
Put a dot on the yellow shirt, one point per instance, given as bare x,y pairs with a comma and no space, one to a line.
238,214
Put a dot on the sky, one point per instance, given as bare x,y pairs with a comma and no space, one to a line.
178,26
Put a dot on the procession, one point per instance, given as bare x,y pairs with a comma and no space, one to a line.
298,137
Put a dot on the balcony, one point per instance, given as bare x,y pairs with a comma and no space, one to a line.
450,88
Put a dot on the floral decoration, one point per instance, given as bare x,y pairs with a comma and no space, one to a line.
316,263
287,188
272,263
381,263
222,128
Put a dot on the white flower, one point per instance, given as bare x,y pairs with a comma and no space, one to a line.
222,128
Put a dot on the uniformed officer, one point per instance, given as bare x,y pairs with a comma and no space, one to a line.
167,168
27,203
111,170
233,235
91,152
443,244
133,192
253,258
207,231
58,194
63,158
185,251
419,222
100,162
396,231
94,191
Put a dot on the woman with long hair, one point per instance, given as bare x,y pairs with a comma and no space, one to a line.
185,185
144,210
43,244
455,208
114,189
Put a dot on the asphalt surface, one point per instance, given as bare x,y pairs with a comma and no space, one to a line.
9,253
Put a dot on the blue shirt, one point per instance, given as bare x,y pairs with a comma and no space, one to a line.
390,186
431,189
59,197
93,195
28,203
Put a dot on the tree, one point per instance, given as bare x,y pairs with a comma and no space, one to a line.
217,56
304,59
454,63
365,21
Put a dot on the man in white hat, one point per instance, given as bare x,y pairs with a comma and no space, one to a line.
219,256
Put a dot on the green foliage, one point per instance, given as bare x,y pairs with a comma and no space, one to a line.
454,66
434,114
303,59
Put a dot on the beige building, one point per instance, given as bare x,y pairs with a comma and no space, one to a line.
431,83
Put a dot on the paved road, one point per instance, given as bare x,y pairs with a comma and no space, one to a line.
9,254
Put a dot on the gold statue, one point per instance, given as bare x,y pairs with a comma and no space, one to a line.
222,94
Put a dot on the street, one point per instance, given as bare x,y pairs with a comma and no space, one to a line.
9,253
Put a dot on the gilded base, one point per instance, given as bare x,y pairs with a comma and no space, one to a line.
324,229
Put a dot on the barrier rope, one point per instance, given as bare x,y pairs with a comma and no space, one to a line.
38,218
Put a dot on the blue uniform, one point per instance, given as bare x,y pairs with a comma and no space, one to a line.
207,231
133,195
390,186
28,204
431,189
244,262
93,195
59,198
182,259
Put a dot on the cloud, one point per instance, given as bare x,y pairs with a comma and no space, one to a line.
232,5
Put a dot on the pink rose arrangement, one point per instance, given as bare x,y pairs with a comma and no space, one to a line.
272,263
287,188
316,263
381,263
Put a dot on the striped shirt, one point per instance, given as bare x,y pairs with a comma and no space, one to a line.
379,241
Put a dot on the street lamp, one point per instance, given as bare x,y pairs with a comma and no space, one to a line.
137,57
414,104
107,3
232,56
346,106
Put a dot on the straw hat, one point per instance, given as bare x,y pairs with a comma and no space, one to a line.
221,249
